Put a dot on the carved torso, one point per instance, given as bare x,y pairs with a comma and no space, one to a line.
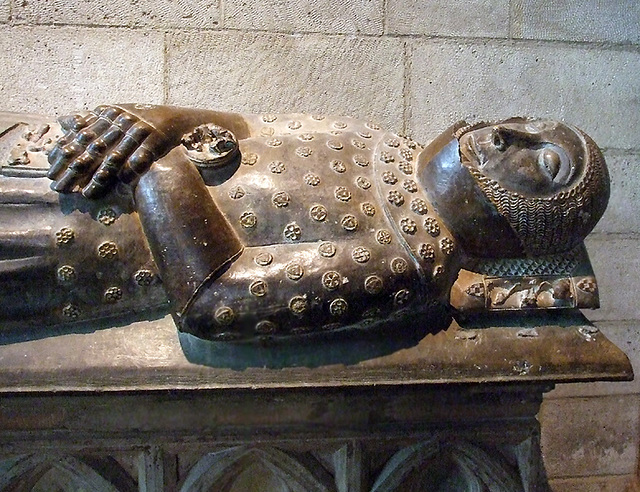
336,227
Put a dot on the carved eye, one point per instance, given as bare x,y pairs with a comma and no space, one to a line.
498,140
550,161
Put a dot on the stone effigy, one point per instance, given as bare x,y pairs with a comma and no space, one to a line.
258,227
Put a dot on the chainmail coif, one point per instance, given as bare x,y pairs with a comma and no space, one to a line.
557,223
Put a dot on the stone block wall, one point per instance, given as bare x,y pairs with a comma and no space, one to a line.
414,66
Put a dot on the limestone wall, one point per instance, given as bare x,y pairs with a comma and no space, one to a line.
413,66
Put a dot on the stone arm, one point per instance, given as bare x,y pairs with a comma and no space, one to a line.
118,143
190,239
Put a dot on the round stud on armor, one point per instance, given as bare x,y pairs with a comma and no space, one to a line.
386,157
112,295
406,154
363,183
405,168
269,118
66,274
312,179
280,199
361,255
372,126
410,185
224,316
446,245
431,226
248,220
368,209
249,159
144,277
402,297
419,206
408,226
236,193
258,288
398,266
331,280
274,142
389,178
107,216
266,327
292,231
427,252
294,125
360,160
306,137
365,134
304,151
327,249
318,117
294,270
71,311
318,213
335,144
342,194
349,223
340,125
392,142
338,166
359,144
277,167
373,284
108,250
395,198
298,305
338,307
383,236
263,259
65,236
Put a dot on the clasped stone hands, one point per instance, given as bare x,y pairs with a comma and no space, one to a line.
107,146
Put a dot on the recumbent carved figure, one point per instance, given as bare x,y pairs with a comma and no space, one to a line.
254,227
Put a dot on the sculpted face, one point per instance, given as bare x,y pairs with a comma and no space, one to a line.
530,157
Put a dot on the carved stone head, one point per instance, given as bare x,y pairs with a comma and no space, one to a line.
547,179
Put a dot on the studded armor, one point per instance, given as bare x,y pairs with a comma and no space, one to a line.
295,224
336,231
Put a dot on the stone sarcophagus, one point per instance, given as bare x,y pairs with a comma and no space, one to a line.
353,308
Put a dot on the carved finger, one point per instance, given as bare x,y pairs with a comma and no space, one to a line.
108,113
73,122
124,121
139,131
93,131
105,177
61,156
140,161
99,146
65,139
77,174
66,183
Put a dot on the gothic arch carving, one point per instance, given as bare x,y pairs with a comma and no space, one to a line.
475,468
218,471
36,473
